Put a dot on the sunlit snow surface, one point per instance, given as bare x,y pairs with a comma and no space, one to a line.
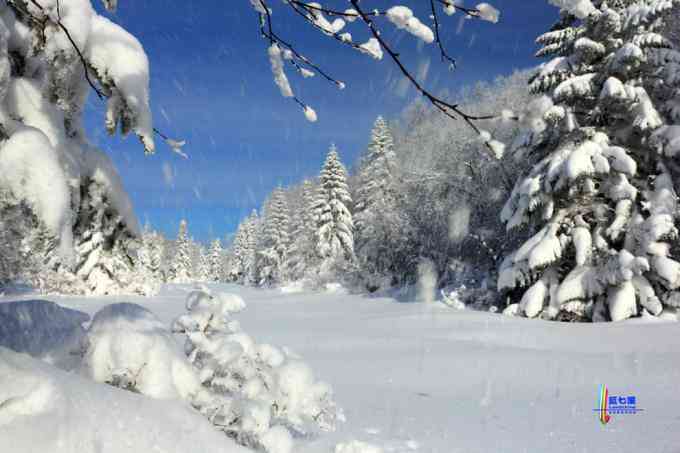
416,377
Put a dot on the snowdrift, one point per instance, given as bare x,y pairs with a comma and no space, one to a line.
43,409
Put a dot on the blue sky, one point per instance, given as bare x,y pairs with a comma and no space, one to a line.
211,85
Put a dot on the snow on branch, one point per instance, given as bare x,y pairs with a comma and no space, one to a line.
333,23
113,55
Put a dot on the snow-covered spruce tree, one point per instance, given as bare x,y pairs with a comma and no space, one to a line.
105,244
200,262
216,262
150,254
242,265
72,188
272,254
375,201
334,226
256,393
238,251
302,251
601,197
181,266
253,234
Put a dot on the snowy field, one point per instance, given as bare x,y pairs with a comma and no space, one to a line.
416,377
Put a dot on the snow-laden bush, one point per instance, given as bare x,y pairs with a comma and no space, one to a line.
44,409
128,347
259,395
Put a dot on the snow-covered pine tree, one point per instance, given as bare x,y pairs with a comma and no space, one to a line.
238,250
375,203
104,244
216,262
181,265
375,179
273,247
334,226
256,393
153,244
43,89
242,267
253,233
302,250
601,196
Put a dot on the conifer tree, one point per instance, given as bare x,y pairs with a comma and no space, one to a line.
253,233
181,265
302,250
216,261
600,198
239,249
273,252
375,204
375,188
334,227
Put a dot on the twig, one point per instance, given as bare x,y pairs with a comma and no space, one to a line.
442,50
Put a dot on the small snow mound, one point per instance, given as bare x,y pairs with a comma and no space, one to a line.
277,440
356,446
130,348
335,288
294,287
42,329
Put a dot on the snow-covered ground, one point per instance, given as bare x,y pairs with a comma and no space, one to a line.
417,377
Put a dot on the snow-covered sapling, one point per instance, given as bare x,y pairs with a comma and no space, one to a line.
257,394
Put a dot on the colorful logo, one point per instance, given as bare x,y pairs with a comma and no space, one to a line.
615,404
603,409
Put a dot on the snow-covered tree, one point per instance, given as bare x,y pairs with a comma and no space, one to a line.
601,198
256,393
50,58
450,189
375,201
216,261
181,266
104,243
242,264
302,250
334,226
150,255
274,242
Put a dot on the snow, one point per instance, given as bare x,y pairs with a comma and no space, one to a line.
120,61
406,374
48,410
372,48
127,344
276,61
488,12
31,170
310,114
356,446
42,329
579,8
402,17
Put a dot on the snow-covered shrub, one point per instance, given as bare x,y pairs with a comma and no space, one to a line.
258,394
43,329
128,347
45,409
601,198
